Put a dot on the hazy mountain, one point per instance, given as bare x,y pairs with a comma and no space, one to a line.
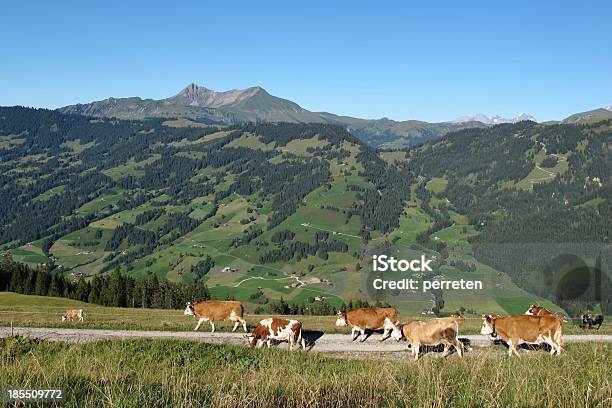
494,120
589,116
256,104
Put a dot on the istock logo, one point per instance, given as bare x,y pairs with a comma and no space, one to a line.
383,263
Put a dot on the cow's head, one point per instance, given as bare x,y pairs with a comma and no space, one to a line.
488,325
341,320
396,331
251,340
533,310
189,310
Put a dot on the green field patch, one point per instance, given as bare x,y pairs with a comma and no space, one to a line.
437,185
105,202
131,167
203,139
8,141
250,141
76,146
392,156
50,193
300,146
180,123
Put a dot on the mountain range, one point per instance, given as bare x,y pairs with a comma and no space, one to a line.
255,104
494,120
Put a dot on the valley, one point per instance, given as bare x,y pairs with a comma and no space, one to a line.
263,212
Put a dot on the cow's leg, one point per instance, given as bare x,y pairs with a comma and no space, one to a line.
415,350
244,325
236,323
363,336
353,331
212,324
200,321
269,343
512,348
459,347
447,346
385,335
291,341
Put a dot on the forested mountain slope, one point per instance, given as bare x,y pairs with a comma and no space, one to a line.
533,192
266,211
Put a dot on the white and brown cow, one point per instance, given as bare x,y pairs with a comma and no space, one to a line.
535,310
433,332
369,318
73,314
277,329
216,310
524,329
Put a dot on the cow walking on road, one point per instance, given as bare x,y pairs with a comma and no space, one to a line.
369,318
433,332
216,310
277,329
525,329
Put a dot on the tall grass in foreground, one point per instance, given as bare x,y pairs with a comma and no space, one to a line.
148,373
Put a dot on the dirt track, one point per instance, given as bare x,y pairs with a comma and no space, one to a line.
317,341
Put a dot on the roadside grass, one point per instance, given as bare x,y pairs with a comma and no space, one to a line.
149,373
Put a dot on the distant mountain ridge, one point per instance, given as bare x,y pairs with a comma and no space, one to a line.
494,120
255,104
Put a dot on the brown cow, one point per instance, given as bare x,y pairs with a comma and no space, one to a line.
276,328
535,310
216,310
72,314
433,332
371,318
516,330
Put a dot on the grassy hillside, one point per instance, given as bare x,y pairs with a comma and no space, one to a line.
162,373
264,211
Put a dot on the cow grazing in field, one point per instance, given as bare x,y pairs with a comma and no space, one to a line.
524,329
370,318
433,333
278,329
73,314
590,321
216,310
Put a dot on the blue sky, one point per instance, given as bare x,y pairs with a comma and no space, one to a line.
430,61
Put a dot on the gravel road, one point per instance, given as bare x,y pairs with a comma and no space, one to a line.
317,341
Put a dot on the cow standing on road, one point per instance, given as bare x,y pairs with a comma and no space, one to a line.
73,314
524,329
279,329
433,333
369,318
216,310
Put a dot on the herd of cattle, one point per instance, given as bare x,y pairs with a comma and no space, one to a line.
536,326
